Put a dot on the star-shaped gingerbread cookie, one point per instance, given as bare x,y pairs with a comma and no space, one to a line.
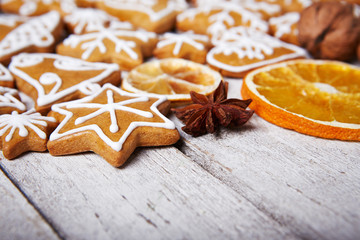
111,123
24,132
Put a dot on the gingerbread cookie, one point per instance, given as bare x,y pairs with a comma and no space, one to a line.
186,45
37,34
154,16
265,9
127,48
84,20
37,7
6,80
285,27
214,19
24,132
52,78
86,3
292,5
241,49
111,123
10,101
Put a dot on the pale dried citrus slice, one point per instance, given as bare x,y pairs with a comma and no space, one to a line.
319,98
173,78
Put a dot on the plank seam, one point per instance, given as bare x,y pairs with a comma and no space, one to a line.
181,145
33,204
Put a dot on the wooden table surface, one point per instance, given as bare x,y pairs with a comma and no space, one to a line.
257,182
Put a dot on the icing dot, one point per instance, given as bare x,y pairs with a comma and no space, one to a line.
114,128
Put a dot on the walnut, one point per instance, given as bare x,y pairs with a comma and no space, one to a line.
330,30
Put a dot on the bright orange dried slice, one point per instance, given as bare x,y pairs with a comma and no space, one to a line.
173,78
314,97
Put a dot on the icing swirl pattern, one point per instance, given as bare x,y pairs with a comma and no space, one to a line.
61,63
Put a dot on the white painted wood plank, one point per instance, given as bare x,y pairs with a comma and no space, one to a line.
18,218
308,184
159,194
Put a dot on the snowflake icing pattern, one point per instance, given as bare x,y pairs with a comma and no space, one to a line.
23,121
89,19
221,21
180,39
110,107
245,42
95,40
8,99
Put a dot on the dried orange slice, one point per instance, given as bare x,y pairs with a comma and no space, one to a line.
319,98
173,78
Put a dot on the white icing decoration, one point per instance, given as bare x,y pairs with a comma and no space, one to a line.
356,10
304,3
74,64
89,19
252,5
221,20
179,39
68,6
181,5
5,75
283,23
116,24
266,7
190,14
29,7
22,121
111,107
8,99
247,42
28,60
11,20
37,31
144,6
95,40
90,88
62,63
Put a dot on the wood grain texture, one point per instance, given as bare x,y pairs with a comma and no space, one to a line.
257,182
19,220
159,194
310,185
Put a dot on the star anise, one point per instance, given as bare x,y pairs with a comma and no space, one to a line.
207,113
